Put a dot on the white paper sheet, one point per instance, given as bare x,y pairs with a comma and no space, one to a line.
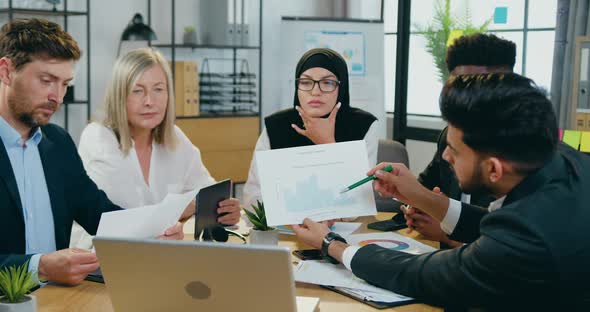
305,182
342,228
390,240
323,273
147,221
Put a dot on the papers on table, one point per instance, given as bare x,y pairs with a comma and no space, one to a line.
305,182
307,304
323,273
342,228
390,240
147,221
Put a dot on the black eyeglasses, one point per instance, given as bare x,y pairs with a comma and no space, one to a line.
326,85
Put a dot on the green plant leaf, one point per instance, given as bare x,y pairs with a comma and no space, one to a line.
16,282
251,216
254,220
437,33
257,212
259,209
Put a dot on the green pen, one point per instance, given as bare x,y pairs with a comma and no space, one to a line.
365,180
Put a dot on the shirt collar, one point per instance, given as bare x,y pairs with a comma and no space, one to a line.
496,204
11,137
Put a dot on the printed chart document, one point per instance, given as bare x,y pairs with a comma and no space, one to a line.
390,240
342,228
327,274
305,182
147,221
323,273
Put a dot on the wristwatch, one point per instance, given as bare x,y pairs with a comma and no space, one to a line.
328,239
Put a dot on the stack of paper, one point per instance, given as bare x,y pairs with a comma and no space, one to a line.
327,274
323,273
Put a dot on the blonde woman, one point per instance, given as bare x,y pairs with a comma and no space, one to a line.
135,153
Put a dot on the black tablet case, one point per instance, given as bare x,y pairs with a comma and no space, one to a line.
208,200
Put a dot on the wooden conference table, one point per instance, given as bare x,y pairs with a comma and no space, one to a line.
90,296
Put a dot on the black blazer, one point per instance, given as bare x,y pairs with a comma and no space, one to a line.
73,195
524,258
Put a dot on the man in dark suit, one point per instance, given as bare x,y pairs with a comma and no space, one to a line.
470,54
502,138
43,184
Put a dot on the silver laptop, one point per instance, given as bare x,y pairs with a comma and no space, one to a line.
158,275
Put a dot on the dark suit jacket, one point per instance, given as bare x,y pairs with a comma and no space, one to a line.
73,195
525,257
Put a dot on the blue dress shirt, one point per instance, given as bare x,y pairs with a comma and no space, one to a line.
32,188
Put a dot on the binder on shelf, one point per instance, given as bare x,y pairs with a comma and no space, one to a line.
581,121
585,142
245,36
186,88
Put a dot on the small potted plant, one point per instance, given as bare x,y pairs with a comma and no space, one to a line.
15,284
261,233
190,36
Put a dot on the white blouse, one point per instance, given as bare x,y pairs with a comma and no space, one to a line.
120,176
252,187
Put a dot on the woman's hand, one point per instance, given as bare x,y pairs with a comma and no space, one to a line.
318,130
231,208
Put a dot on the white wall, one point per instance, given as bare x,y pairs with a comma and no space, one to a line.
273,10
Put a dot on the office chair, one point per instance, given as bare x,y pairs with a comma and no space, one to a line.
390,151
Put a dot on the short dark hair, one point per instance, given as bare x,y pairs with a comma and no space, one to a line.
481,49
504,115
23,40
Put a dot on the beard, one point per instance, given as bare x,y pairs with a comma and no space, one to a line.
23,108
475,184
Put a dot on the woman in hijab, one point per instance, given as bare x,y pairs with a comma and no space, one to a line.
321,114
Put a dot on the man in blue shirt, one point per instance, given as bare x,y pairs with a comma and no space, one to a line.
43,184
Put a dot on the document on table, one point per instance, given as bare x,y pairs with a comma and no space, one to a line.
305,182
327,274
323,273
390,240
342,228
147,221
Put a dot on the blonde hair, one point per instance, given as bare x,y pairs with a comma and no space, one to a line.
127,70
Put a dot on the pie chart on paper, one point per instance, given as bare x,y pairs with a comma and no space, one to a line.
385,243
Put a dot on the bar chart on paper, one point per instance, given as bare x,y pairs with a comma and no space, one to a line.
308,194
305,182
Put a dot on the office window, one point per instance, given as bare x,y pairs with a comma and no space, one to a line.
529,24
539,57
517,38
389,71
423,83
390,28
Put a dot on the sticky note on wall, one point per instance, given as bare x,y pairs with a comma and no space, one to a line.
501,15
572,138
585,142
